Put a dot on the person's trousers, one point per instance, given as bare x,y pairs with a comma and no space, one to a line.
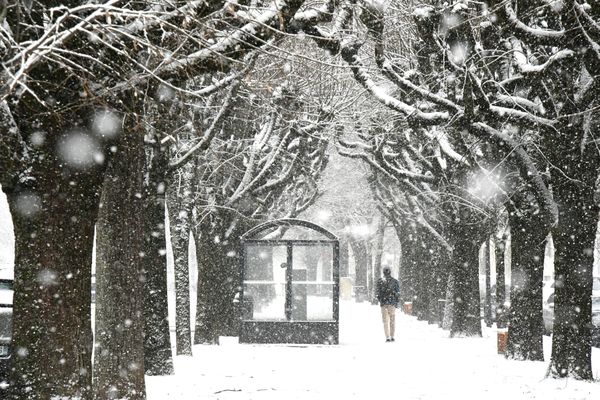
388,315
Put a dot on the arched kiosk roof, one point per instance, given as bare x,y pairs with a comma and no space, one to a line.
266,227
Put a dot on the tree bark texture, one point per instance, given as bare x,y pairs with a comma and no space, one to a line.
487,307
437,289
449,303
466,319
406,275
360,253
157,339
433,290
119,349
500,247
180,212
219,281
526,325
52,286
575,190
574,238
344,267
422,268
54,206
377,254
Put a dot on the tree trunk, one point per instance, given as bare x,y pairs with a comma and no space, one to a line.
157,339
119,349
573,264
526,328
422,279
487,307
501,317
575,162
575,189
54,205
219,280
370,280
377,254
54,229
359,250
466,319
438,286
180,212
449,303
423,276
344,267
405,276
430,294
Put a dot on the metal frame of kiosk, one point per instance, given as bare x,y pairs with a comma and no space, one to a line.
290,286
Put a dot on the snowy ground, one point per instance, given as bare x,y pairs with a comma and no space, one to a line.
422,364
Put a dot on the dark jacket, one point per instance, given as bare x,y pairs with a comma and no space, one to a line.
388,291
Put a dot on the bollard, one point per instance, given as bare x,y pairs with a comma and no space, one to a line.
407,307
501,340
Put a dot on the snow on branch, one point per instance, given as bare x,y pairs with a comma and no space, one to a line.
422,220
109,25
526,68
291,167
518,101
278,181
52,38
142,24
520,117
390,202
212,130
402,172
312,15
411,88
259,141
529,34
249,36
11,146
527,168
441,137
383,166
222,83
356,145
587,21
362,76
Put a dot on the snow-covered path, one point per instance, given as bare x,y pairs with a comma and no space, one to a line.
422,364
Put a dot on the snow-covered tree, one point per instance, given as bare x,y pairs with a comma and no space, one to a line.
76,76
265,162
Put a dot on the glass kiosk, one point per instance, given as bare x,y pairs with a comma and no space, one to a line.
290,290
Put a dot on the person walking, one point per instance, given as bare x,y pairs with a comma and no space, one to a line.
388,296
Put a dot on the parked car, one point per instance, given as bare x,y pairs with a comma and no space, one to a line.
6,307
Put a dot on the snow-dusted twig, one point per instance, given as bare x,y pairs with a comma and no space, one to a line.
211,131
529,34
